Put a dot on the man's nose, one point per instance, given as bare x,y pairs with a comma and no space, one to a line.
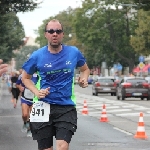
55,33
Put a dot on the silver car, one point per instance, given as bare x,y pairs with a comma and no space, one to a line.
136,87
104,85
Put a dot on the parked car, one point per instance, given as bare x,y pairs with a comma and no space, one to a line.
136,87
104,85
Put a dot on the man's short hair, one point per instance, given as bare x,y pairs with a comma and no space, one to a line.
53,20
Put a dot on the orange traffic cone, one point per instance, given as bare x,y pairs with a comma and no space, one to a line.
140,129
85,110
104,115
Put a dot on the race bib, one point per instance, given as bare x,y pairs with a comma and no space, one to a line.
40,112
14,85
28,94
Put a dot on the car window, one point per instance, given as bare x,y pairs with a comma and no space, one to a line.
106,80
136,80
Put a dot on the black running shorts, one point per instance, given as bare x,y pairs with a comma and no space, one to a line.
62,124
15,93
61,134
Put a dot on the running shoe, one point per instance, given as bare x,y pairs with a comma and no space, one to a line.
29,134
27,125
24,128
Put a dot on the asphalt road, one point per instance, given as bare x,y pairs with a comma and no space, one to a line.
91,134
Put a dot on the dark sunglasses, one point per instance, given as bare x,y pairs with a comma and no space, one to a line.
51,31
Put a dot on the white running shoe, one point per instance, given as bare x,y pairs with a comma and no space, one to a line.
24,129
29,134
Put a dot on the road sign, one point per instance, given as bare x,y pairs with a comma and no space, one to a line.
119,67
141,59
141,65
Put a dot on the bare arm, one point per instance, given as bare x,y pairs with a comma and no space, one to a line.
84,74
26,79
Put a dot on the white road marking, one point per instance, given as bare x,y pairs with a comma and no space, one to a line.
128,114
116,108
141,108
128,133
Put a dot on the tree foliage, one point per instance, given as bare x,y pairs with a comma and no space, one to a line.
7,6
140,41
106,32
22,55
143,4
11,35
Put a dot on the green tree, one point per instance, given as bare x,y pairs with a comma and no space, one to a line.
16,6
140,41
143,4
106,32
11,35
41,40
23,54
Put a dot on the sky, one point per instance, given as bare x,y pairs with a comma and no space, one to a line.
32,20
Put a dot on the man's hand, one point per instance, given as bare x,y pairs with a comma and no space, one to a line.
82,82
43,93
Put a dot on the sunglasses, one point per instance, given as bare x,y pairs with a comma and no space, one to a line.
51,31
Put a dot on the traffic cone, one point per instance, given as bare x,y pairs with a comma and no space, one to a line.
104,115
85,110
141,129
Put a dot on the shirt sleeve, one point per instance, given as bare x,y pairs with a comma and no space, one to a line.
80,59
30,65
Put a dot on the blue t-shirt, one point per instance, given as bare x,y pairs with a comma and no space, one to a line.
57,72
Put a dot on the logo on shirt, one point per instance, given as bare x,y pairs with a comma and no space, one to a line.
68,62
48,65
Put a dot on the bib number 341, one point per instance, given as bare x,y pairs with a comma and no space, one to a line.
40,112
